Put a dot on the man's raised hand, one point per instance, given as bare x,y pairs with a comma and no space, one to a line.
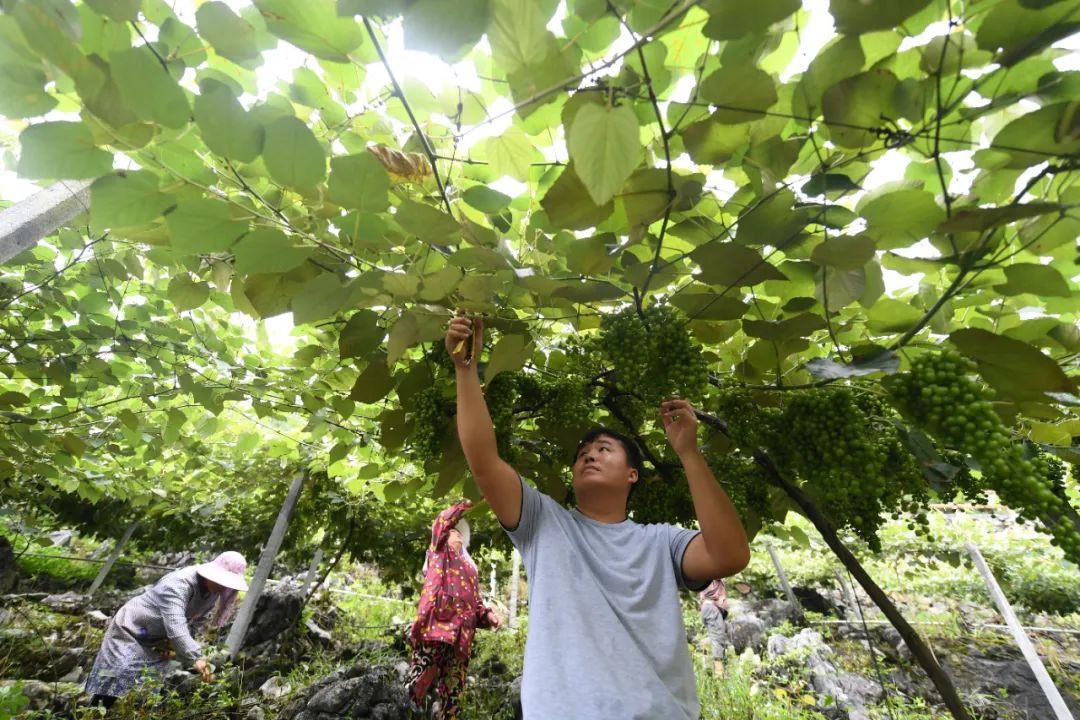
458,335
680,424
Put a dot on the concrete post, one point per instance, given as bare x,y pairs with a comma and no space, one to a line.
312,575
262,572
24,224
1053,696
113,557
784,581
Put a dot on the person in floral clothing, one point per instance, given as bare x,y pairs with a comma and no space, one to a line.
450,611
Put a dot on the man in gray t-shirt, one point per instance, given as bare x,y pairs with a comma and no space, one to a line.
606,637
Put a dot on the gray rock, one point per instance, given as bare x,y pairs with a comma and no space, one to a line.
995,678
776,646
255,713
97,617
39,658
74,675
278,610
851,693
747,631
60,538
70,603
318,632
360,692
750,620
275,688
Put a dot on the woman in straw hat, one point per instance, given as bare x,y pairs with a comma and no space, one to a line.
144,634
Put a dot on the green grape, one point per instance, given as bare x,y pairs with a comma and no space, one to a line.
744,482
653,356
749,421
658,500
501,395
942,395
431,419
567,403
850,457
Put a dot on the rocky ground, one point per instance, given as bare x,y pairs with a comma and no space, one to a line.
48,641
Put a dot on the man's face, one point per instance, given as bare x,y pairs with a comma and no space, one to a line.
603,462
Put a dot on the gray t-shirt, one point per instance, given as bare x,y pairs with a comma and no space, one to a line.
606,635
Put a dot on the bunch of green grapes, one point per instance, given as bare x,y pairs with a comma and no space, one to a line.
744,482
567,402
532,391
624,343
658,500
502,395
431,419
828,439
904,485
750,423
964,481
653,356
942,395
439,359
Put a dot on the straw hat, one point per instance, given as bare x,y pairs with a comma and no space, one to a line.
227,570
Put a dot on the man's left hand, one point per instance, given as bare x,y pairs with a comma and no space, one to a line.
680,424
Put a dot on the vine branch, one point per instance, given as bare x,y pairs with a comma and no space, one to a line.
412,116
639,46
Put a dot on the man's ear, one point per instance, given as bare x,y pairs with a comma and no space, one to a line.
633,476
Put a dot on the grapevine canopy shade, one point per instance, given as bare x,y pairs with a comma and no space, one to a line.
801,194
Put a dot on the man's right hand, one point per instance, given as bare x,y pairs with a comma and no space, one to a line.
457,339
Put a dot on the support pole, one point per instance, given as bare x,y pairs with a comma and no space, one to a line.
784,581
313,572
515,580
262,572
113,557
1057,703
845,587
922,653
24,224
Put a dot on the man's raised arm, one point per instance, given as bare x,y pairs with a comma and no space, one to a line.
721,549
496,479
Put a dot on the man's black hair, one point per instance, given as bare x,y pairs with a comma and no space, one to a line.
633,454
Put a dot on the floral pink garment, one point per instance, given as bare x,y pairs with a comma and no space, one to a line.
450,607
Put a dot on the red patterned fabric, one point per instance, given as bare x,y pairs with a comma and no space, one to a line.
450,607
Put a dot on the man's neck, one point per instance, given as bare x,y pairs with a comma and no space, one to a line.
603,509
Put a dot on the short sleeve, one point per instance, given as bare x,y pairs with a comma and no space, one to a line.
678,540
531,502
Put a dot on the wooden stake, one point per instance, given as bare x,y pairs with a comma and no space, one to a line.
262,572
1057,703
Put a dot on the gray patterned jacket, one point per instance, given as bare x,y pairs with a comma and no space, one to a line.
167,611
